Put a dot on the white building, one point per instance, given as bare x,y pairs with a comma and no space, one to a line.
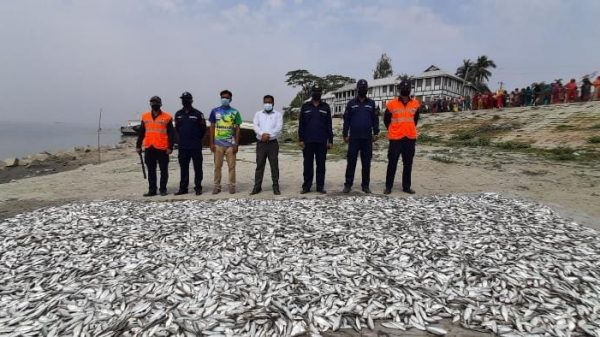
433,83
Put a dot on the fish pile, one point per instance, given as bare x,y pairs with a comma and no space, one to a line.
298,267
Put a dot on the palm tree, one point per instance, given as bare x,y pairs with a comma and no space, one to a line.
466,70
480,71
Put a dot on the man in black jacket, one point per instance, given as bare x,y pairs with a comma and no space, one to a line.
361,127
315,136
191,127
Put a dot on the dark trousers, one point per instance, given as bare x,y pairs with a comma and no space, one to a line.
153,158
365,147
195,156
314,152
266,150
406,148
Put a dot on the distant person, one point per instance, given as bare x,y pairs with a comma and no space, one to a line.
596,85
157,135
360,130
191,128
268,124
500,99
528,96
571,89
586,89
400,119
556,92
225,124
315,137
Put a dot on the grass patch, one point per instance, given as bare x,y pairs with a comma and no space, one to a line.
564,127
427,138
534,173
595,126
562,153
594,140
443,159
512,145
495,117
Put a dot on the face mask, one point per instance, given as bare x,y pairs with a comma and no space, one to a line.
404,92
186,104
268,107
316,96
225,101
362,92
155,107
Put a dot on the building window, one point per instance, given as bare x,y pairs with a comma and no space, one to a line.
353,93
370,91
427,82
419,83
391,88
437,81
384,89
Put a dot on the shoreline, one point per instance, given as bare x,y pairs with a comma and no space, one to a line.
55,161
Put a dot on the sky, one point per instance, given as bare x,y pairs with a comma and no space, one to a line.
64,60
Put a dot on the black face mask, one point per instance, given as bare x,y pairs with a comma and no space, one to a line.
362,93
405,92
316,96
155,107
186,104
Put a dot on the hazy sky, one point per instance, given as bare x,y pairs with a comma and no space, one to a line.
62,60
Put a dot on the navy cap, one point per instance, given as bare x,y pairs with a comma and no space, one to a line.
404,84
362,83
155,99
186,95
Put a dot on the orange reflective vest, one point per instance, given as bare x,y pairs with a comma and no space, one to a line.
403,119
156,130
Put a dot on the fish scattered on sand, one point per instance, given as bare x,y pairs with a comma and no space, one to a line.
298,267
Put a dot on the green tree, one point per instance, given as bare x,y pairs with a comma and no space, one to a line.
482,65
301,78
304,80
383,68
466,70
334,82
477,72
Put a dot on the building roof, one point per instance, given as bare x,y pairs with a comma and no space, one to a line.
434,71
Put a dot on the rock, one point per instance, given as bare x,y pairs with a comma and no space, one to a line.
87,150
11,162
25,161
40,156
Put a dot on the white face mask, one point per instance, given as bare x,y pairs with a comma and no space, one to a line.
268,107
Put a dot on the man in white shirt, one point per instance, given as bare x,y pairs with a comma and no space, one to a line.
267,126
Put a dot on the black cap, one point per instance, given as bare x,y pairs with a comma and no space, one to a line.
155,99
362,84
404,84
186,95
316,88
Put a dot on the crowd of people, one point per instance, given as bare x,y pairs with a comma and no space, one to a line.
536,94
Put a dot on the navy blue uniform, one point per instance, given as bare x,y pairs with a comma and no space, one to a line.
361,122
316,131
191,127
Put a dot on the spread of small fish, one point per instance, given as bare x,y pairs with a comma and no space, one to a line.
298,267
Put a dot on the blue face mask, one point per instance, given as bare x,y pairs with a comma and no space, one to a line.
225,101
268,107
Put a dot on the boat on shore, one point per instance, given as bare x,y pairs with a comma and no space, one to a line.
131,128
